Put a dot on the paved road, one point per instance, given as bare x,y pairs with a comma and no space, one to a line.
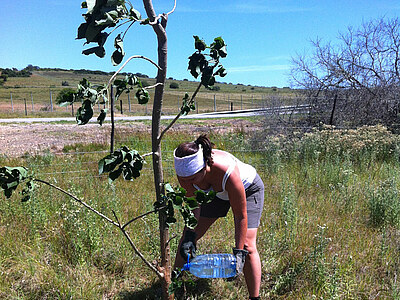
212,115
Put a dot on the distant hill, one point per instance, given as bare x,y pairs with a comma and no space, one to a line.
55,77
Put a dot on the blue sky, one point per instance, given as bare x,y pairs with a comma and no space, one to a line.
261,35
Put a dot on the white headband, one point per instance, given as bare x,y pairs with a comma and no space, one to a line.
189,165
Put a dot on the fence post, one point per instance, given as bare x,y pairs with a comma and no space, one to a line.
72,108
32,101
231,106
241,102
120,102
12,104
51,101
215,104
26,111
129,102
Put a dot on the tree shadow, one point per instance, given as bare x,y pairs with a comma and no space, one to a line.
153,292
190,288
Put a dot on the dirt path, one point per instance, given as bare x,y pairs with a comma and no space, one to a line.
19,139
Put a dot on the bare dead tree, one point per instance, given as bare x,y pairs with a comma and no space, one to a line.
356,80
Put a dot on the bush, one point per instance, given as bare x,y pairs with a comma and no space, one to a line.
383,204
174,85
65,83
363,143
15,73
65,95
215,88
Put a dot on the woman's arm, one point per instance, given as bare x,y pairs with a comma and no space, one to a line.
237,199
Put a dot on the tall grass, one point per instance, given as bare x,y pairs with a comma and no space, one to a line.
329,230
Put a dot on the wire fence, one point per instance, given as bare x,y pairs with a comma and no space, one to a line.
33,100
81,165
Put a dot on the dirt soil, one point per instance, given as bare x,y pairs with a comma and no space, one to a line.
22,138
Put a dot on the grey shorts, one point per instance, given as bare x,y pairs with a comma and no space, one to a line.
255,201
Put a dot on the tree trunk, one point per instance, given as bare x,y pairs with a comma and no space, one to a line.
159,29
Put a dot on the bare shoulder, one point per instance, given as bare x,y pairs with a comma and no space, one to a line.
221,160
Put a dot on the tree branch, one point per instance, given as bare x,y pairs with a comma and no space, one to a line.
163,15
141,216
130,58
178,115
153,268
117,224
154,85
78,200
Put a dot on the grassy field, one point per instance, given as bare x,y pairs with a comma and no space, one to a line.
40,91
330,227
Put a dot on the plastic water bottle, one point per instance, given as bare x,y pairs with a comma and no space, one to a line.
212,266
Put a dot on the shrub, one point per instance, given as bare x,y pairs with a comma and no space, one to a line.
65,95
361,144
174,85
215,88
383,204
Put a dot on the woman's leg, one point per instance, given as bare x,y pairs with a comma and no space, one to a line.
252,266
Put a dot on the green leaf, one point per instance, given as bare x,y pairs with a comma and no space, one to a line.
207,77
142,95
222,52
133,13
109,18
168,188
82,31
221,72
27,191
102,117
192,222
199,44
170,220
200,196
176,282
114,175
116,57
121,86
178,201
131,79
188,217
84,113
10,178
186,107
218,43
192,203
119,53
126,162
197,63
99,51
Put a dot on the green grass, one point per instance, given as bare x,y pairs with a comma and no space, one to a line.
45,82
323,235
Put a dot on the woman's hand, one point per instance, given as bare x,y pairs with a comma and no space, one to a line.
188,246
